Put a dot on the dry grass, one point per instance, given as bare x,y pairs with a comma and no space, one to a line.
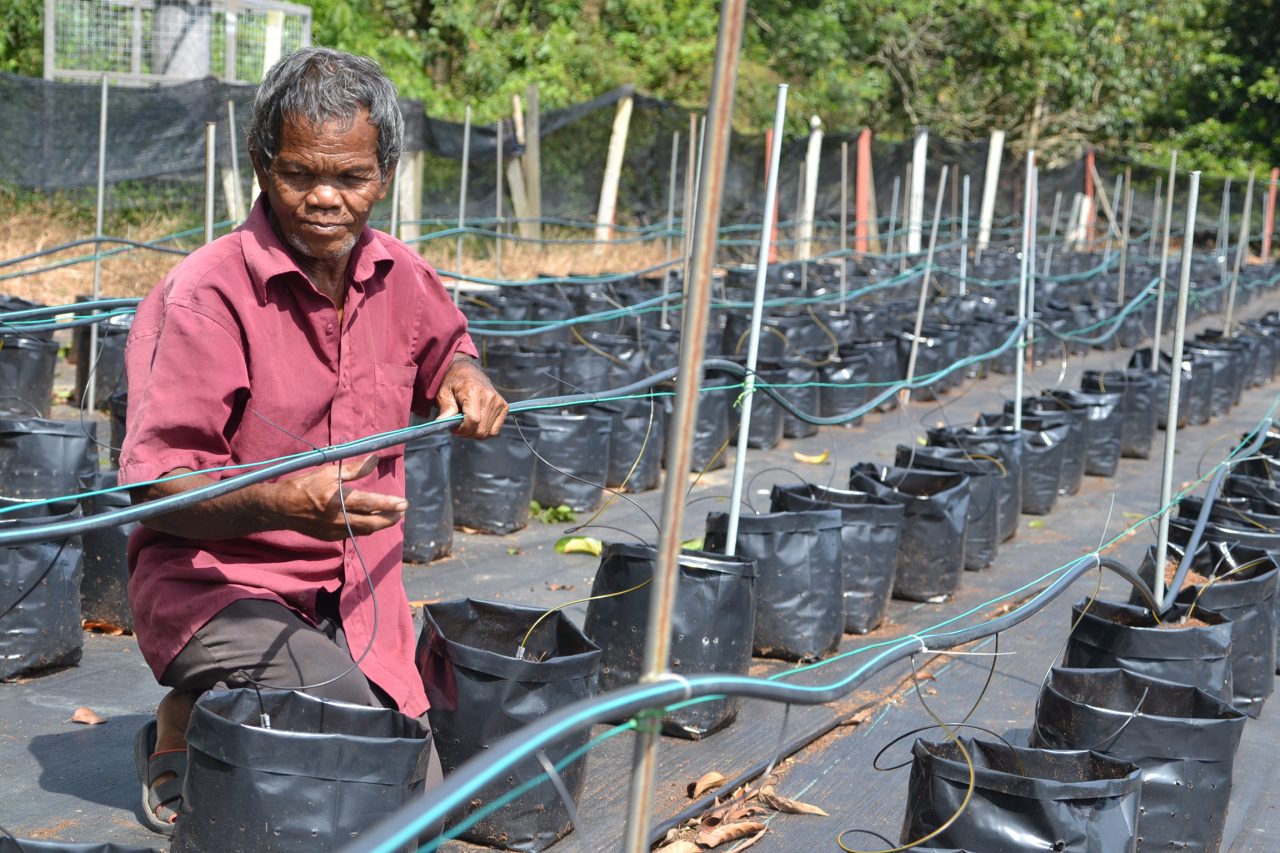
135,272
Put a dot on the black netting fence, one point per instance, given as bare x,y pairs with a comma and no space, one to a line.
49,142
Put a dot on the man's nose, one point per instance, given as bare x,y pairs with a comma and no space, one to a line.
323,194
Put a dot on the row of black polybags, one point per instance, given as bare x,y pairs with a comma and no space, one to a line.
1150,709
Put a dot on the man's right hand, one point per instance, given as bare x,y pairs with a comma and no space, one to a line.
311,503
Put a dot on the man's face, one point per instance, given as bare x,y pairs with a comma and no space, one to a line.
323,183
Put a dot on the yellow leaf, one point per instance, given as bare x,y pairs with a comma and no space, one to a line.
812,458
579,545
692,545
1036,524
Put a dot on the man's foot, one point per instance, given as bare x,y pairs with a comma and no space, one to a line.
160,774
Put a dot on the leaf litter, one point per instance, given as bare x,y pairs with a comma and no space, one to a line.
741,818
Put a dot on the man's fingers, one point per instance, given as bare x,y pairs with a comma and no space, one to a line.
371,503
447,402
349,470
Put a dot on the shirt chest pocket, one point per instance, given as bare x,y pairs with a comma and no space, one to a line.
393,393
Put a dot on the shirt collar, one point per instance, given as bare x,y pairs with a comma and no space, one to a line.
267,258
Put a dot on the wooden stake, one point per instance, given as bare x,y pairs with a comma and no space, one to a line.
533,159
613,172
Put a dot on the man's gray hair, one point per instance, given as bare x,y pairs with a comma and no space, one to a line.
319,85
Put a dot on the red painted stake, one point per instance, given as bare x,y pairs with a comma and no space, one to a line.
1089,167
773,230
862,194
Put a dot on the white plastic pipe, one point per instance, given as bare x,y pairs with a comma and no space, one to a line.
97,246
990,185
915,214
1175,387
753,338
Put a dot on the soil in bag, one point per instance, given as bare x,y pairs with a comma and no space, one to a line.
44,459
870,532
1022,799
39,595
573,451
1109,634
1240,584
982,527
428,523
104,589
992,442
1138,406
1105,425
1183,741
936,507
799,581
318,776
712,626
480,691
492,481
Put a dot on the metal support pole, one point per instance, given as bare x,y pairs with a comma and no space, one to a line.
1124,236
1242,252
1019,367
696,187
89,390
497,203
237,199
1222,245
671,225
1031,262
1175,387
462,203
680,439
753,338
893,214
1053,231
1155,218
964,236
210,175
844,222
1164,262
924,284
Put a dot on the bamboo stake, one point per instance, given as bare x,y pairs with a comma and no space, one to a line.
924,285
1242,251
1164,262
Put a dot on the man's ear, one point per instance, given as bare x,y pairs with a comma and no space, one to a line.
258,168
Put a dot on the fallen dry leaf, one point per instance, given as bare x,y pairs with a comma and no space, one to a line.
811,458
749,842
679,847
707,782
87,716
556,587
859,718
109,628
774,800
729,832
423,602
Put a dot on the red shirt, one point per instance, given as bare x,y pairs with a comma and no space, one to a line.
231,350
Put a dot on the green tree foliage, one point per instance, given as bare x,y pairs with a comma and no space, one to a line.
1058,74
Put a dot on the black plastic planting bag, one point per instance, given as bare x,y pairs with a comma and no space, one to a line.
713,622
636,443
1226,375
801,392
717,420
118,414
492,481
1043,453
844,389
428,523
1023,799
1141,361
1103,433
39,597
936,507
1182,739
574,451
870,533
27,365
1108,634
767,417
1242,587
1040,413
799,581
311,776
522,374
882,367
998,442
480,692
104,589
45,459
982,528
1138,406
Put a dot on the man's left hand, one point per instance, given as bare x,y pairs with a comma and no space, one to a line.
467,390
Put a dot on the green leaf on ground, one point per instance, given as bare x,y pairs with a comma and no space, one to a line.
579,545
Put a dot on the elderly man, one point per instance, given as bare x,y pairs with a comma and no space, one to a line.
302,328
